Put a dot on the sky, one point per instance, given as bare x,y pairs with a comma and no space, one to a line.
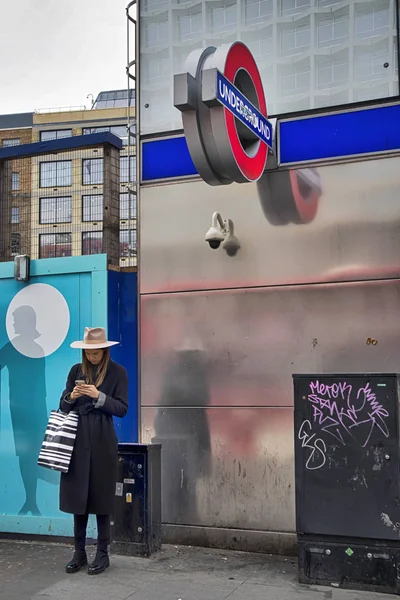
54,53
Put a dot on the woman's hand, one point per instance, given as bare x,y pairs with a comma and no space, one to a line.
86,390
74,395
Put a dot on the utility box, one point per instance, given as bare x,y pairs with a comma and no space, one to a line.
136,524
347,480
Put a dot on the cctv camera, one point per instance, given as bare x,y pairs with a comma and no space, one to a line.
217,232
231,245
214,237
222,231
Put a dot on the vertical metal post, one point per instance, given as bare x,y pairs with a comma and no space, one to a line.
131,76
111,205
5,209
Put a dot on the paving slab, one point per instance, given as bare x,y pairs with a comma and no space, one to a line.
36,571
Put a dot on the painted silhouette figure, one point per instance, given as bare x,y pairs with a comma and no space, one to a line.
27,393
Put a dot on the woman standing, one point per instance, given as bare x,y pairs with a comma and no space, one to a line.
97,389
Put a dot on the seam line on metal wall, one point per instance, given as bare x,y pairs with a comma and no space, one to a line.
208,406
273,286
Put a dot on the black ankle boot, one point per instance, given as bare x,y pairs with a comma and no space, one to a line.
78,561
100,563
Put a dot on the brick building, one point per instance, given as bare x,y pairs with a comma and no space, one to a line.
58,201
14,130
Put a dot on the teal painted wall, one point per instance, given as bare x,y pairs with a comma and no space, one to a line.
38,321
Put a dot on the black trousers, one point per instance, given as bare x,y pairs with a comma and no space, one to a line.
103,532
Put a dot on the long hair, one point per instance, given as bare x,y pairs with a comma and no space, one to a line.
87,368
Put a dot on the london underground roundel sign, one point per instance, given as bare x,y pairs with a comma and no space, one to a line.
224,114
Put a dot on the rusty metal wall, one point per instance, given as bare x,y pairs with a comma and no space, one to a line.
217,354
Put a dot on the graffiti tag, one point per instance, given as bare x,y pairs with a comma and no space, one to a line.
308,439
342,410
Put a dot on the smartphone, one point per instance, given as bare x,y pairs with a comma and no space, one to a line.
80,382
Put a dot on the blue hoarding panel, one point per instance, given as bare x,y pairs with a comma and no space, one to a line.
339,135
123,327
39,320
162,159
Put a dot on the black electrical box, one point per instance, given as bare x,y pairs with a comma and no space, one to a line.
136,523
352,564
347,464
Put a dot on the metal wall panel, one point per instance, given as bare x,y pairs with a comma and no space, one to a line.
216,388
249,342
354,234
238,472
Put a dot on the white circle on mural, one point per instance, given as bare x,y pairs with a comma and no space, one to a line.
37,320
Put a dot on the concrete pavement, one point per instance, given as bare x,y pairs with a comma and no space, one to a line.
35,571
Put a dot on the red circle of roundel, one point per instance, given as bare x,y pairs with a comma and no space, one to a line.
240,57
306,206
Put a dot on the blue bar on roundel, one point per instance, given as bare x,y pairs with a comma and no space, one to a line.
230,97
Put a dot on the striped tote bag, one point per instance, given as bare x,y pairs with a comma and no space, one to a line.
59,440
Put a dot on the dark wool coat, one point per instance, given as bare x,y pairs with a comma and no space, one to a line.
89,485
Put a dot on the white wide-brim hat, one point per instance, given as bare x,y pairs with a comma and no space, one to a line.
94,338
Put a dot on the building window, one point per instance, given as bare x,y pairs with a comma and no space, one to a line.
294,79
15,215
156,69
332,100
295,38
118,130
11,142
327,2
127,206
91,130
294,6
257,9
127,169
92,207
56,173
127,243
92,242
332,72
371,22
55,210
154,4
189,25
55,245
223,18
15,244
115,99
261,44
333,30
157,110
92,171
155,33
15,181
56,134
121,132
369,63
379,92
